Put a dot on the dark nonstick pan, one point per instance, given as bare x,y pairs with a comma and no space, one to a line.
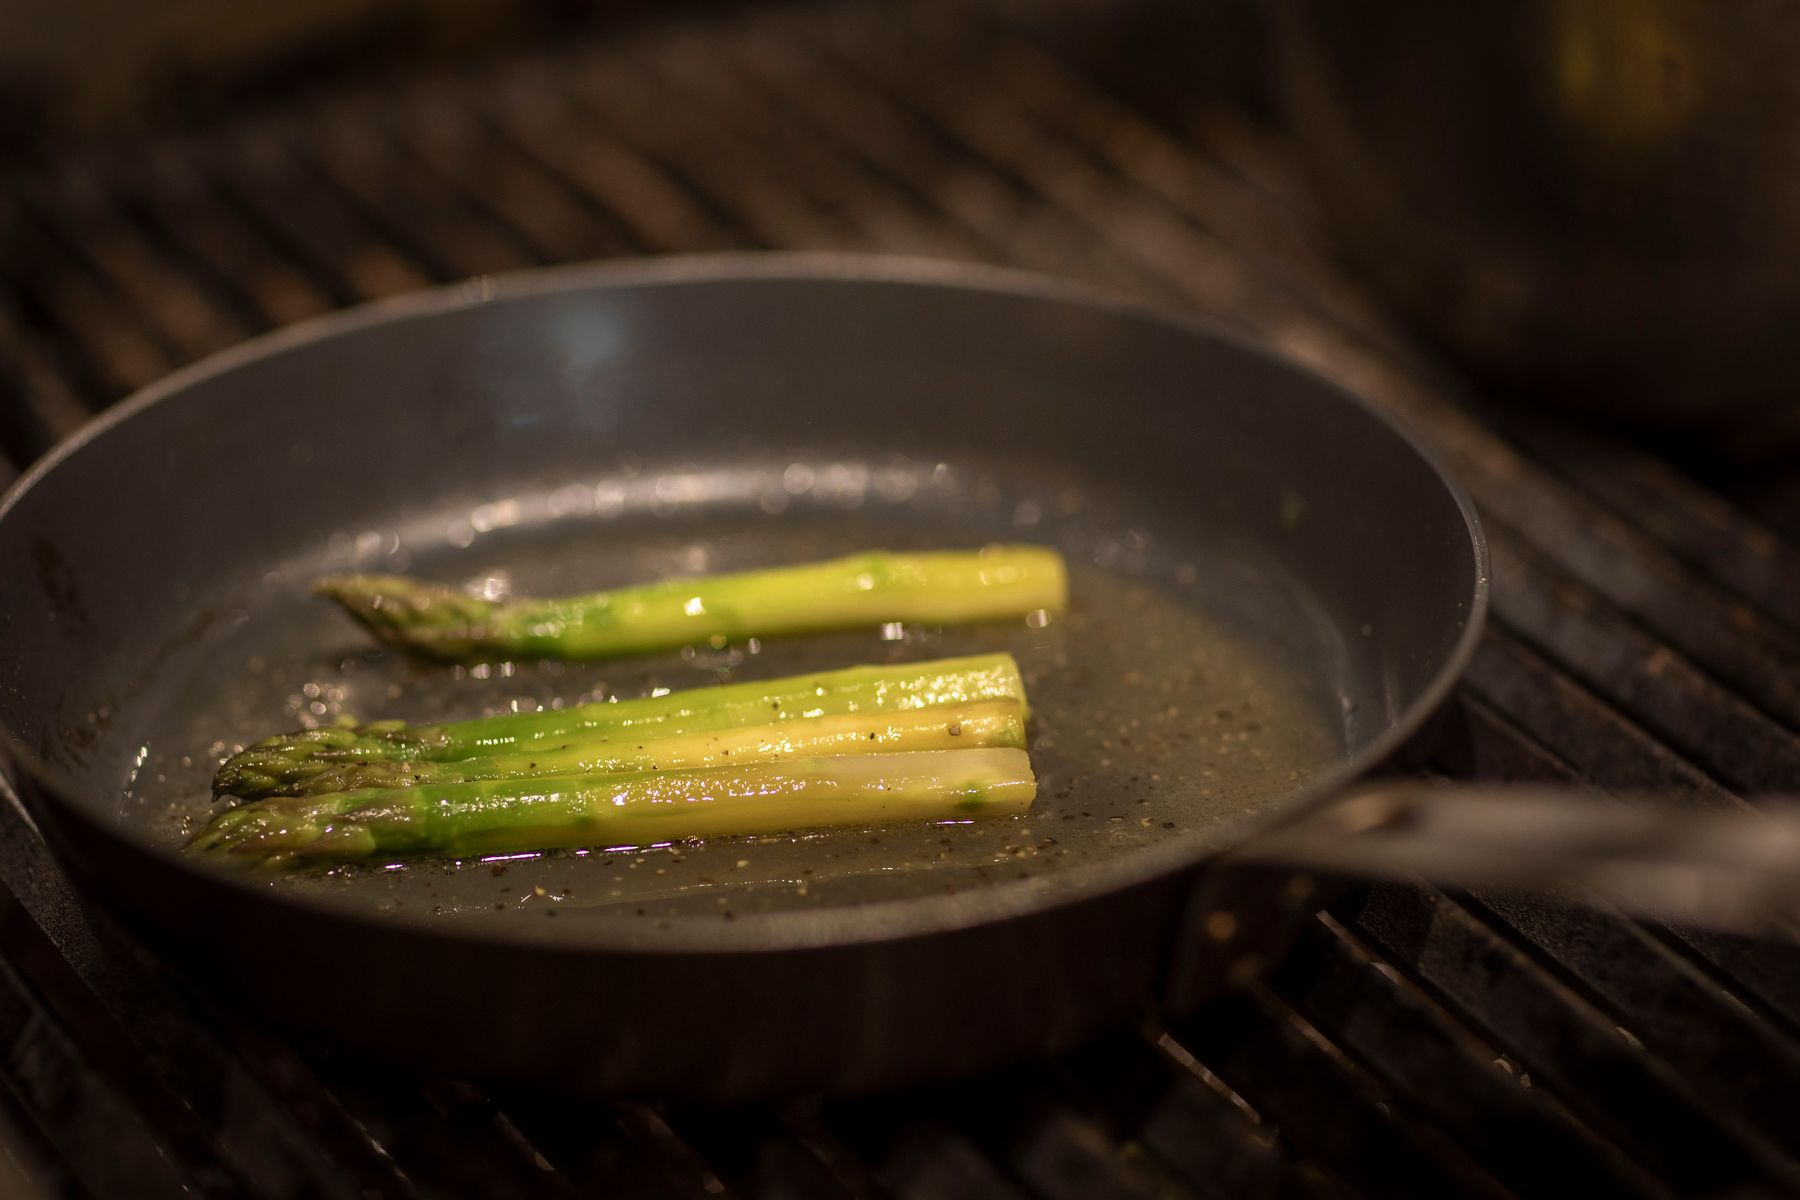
1273,588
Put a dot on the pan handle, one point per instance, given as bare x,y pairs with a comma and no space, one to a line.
1735,868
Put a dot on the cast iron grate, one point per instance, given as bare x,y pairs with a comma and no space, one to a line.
1646,636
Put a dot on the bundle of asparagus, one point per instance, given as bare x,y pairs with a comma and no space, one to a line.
854,746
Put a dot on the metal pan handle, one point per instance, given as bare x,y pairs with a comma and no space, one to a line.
1737,867
1734,868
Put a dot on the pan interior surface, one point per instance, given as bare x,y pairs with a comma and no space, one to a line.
1156,709
1267,581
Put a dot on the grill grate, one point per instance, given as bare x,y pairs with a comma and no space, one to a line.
1646,635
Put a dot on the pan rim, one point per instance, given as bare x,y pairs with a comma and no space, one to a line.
853,924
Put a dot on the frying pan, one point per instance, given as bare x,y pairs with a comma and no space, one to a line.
1273,589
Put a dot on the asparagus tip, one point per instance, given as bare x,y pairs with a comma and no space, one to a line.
429,617
280,832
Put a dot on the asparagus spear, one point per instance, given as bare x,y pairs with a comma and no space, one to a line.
863,589
642,808
283,763
944,727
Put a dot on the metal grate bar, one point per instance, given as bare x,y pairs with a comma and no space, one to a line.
175,200
1561,1040
804,1120
1031,1125
623,100
1745,1068
647,1129
1735,643
1669,506
90,328
1649,682
472,1114
530,112
1168,258
604,1149
441,1148
914,1154
156,294
1115,139
1526,1141
1328,1106
1770,494
255,171
941,179
42,406
30,1167
434,225
1762,973
1605,746
181,1136
511,188
97,1134
1182,1119
166,1045
1762,976
702,79
1481,741
755,1154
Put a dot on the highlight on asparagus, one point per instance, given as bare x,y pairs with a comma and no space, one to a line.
289,763
640,808
939,587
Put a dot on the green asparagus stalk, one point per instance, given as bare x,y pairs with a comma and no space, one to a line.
282,764
637,809
861,590
945,727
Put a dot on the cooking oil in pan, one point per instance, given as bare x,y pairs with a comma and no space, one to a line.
1156,710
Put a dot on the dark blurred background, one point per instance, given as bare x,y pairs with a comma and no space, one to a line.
113,69
1591,205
